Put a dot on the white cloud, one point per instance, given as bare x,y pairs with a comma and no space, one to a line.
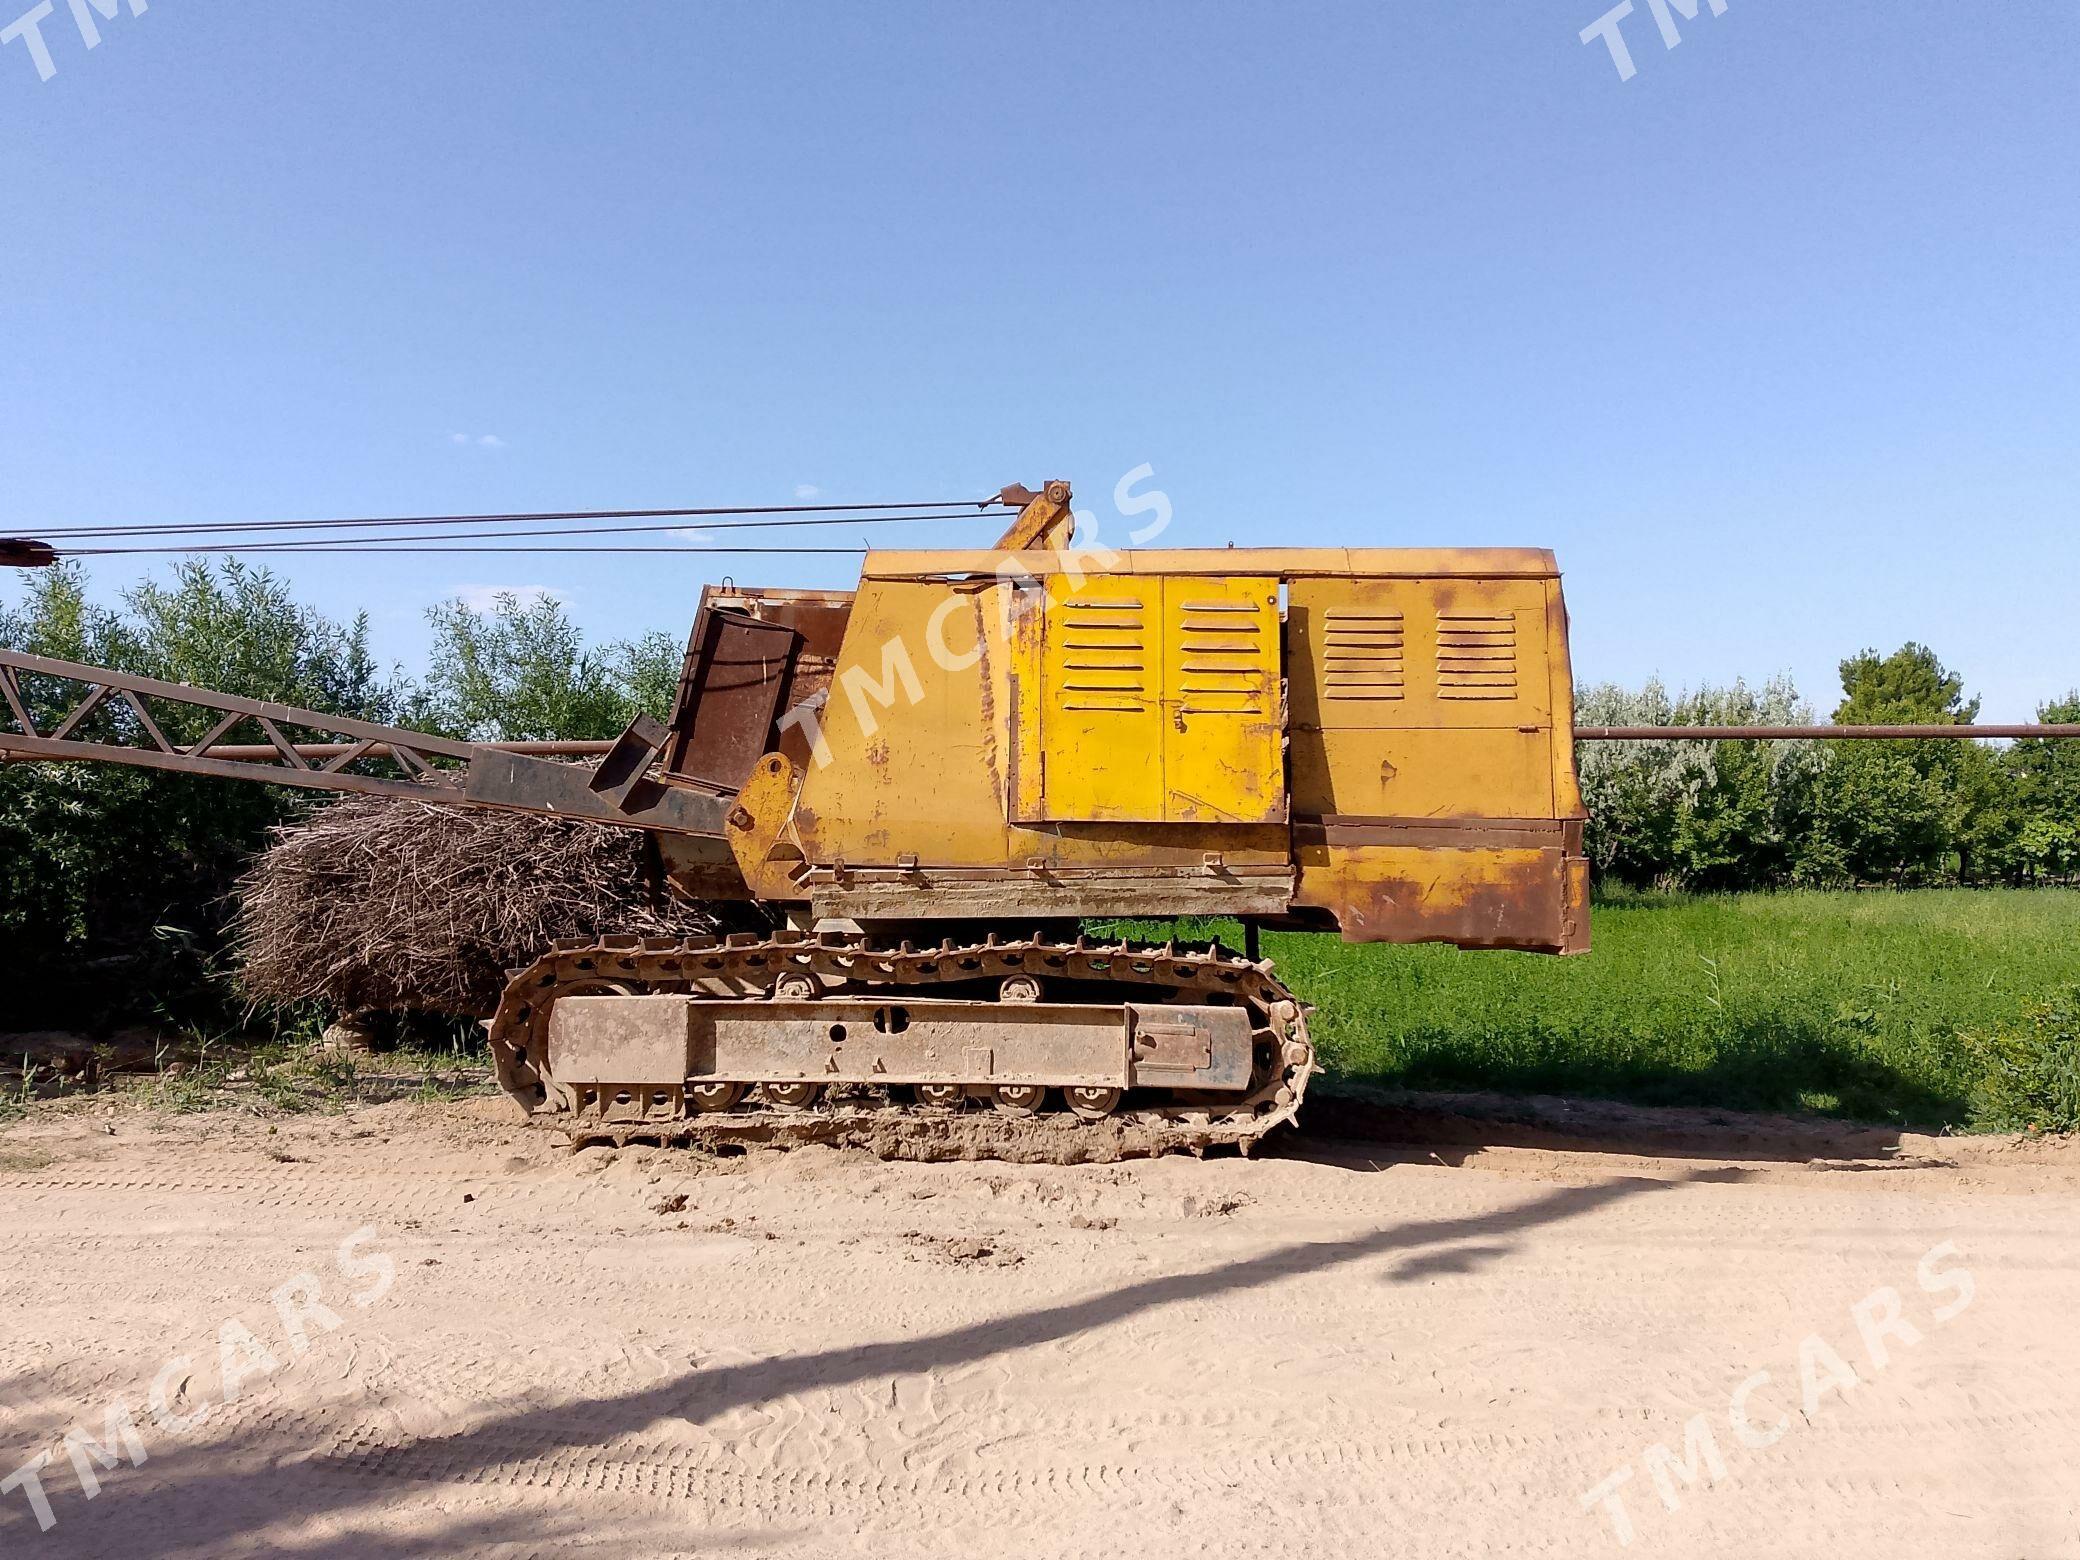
492,441
807,490
458,438
484,598
693,536
486,441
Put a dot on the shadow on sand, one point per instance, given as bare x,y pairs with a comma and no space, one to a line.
197,1500
1351,1125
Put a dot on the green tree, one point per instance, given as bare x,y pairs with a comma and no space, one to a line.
1706,815
1898,812
520,671
1909,687
2044,787
648,669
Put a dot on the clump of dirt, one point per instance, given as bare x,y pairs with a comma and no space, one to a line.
965,1250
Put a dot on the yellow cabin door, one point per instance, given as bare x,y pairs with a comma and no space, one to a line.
1156,701
1223,739
1101,715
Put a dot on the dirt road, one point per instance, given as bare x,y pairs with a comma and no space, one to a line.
1356,1348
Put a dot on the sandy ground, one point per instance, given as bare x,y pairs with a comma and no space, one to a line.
1377,1347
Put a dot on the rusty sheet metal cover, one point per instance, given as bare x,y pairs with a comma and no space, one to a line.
1046,890
729,697
1503,897
910,1041
1194,1047
633,1040
662,1041
540,785
1419,563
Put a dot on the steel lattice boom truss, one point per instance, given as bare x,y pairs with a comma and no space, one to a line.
136,736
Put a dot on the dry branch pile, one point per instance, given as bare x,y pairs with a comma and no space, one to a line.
386,905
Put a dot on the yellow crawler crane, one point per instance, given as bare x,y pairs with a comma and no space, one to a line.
925,784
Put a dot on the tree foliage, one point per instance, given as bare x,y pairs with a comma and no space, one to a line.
1696,815
1909,687
520,671
112,880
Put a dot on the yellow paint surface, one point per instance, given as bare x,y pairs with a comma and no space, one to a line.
1223,726
1094,677
1424,698
1152,700
1016,719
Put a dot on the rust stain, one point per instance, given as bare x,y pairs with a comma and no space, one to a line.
990,745
1493,897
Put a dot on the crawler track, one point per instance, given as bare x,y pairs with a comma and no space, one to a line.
853,968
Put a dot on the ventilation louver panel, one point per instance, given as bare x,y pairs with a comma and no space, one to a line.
1476,656
1104,664
1152,699
1362,656
1222,658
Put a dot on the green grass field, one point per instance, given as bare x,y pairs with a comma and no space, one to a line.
1851,1004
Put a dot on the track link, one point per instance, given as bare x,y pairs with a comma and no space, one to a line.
855,968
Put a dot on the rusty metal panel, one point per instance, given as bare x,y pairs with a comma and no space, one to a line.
540,785
1417,698
624,766
1423,772
1289,563
1381,653
1150,889
634,1040
1192,1047
729,697
898,1040
1500,897
925,744
1567,789
910,753
660,1042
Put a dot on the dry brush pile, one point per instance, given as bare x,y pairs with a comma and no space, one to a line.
379,905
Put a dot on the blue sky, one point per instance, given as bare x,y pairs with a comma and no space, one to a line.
1774,342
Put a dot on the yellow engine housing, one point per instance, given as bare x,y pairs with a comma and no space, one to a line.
1374,740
